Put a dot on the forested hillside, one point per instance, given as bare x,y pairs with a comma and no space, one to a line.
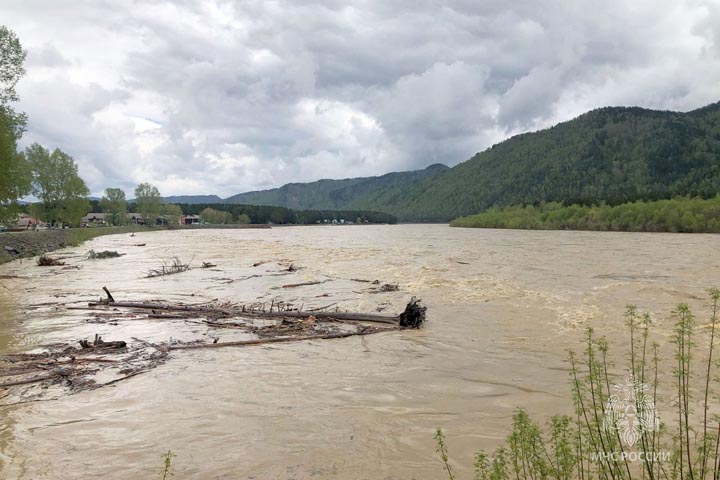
613,155
333,194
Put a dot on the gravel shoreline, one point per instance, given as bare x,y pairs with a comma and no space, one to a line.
30,243
15,245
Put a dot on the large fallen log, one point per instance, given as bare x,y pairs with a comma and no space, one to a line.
245,343
26,381
349,317
346,316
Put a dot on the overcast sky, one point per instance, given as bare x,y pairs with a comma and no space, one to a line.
224,97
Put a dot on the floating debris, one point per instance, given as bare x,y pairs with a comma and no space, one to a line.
414,314
93,255
386,287
168,267
98,363
46,261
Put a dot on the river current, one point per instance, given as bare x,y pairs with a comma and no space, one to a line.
504,308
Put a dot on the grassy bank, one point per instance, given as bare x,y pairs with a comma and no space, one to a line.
681,214
16,245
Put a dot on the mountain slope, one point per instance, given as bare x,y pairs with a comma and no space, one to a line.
193,199
611,154
333,194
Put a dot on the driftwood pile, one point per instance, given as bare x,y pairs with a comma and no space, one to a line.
46,261
77,368
93,255
74,369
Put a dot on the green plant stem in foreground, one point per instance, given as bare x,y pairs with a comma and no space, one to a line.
441,449
167,462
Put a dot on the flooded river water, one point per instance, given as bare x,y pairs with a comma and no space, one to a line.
503,309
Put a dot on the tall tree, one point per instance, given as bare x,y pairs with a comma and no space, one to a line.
148,202
15,177
210,215
172,214
57,184
12,57
114,206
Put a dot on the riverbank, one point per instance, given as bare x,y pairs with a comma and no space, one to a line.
677,215
14,245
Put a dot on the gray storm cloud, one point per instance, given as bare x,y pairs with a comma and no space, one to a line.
225,97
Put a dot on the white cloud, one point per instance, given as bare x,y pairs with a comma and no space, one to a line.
223,97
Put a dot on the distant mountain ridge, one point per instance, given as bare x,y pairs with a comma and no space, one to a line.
334,194
323,194
193,199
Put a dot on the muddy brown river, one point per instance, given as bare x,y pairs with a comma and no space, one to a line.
504,307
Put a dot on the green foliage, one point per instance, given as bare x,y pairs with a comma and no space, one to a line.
441,450
612,155
148,202
216,217
284,216
584,447
167,465
12,58
15,178
171,213
680,214
114,206
52,177
57,184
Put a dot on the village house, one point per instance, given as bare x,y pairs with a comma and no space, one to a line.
135,219
93,219
26,222
190,220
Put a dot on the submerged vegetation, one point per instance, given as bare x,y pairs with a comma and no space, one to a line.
169,266
93,255
615,432
681,214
